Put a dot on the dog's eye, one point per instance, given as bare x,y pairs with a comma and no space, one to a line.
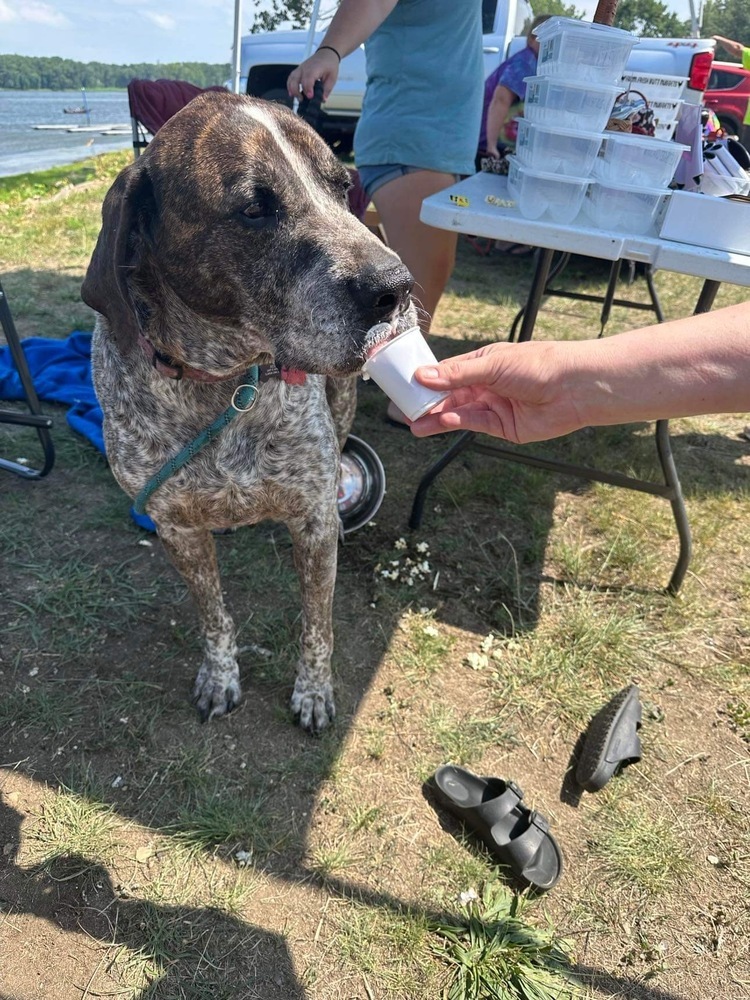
260,212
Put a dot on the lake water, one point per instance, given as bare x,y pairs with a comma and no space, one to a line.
23,149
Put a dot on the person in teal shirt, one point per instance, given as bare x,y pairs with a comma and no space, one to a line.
420,120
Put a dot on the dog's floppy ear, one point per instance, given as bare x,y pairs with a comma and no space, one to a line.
128,212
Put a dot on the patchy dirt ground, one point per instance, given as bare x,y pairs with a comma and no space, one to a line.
143,855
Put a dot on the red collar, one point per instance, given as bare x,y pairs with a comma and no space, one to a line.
170,368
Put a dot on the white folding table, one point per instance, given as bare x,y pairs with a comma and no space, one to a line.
482,206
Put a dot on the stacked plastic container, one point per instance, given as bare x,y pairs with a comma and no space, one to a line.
565,162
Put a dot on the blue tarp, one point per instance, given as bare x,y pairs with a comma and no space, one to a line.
61,373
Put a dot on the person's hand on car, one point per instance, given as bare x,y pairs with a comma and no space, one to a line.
322,65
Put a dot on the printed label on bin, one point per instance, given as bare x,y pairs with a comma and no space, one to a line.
548,50
655,81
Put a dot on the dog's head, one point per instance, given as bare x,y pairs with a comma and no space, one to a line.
233,228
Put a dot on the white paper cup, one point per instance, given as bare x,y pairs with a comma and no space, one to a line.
392,367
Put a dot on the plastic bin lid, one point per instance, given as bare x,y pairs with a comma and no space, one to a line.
634,188
555,81
574,133
572,25
647,141
545,176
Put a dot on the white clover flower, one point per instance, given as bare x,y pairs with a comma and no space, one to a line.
400,543
422,547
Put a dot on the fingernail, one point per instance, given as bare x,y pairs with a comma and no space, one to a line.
429,372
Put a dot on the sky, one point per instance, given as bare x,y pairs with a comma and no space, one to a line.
128,31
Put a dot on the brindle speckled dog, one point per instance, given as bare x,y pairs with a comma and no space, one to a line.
228,243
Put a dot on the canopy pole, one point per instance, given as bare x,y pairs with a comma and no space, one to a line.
313,25
237,47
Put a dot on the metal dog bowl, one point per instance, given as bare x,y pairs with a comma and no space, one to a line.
361,486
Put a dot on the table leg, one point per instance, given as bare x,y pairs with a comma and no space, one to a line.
417,507
669,470
664,450
707,296
536,293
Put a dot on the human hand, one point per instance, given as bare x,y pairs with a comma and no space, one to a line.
322,65
517,392
732,47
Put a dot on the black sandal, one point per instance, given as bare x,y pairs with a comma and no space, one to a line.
518,837
612,741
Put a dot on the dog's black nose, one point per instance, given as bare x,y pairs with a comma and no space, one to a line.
382,292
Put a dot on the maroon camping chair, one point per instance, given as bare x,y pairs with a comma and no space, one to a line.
153,102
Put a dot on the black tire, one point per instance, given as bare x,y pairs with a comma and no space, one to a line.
729,125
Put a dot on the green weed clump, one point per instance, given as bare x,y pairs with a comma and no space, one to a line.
493,954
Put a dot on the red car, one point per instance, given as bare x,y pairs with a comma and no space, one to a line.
728,93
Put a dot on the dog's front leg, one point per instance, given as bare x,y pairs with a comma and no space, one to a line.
315,553
193,553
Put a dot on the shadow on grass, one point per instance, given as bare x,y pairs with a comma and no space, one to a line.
196,952
181,951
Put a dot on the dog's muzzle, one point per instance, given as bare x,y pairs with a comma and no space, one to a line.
382,293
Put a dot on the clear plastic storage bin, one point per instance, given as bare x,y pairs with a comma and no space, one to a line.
656,86
593,53
538,193
623,207
556,150
625,158
571,104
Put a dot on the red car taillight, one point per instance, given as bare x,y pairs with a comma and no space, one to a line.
700,70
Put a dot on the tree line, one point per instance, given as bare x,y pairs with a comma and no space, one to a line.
53,73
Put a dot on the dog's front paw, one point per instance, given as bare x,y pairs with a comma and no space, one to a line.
217,690
313,705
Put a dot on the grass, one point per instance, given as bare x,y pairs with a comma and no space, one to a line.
491,952
73,827
463,739
543,597
69,603
642,848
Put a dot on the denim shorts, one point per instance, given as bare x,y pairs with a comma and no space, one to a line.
374,177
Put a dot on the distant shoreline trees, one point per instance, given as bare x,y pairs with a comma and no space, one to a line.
54,73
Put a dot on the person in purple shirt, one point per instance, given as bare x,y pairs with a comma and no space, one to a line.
504,91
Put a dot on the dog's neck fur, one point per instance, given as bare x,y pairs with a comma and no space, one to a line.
220,351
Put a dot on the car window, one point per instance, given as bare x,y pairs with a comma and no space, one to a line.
724,79
488,16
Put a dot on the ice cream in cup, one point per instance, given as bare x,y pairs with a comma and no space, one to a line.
392,364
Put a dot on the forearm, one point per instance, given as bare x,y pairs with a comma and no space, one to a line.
354,22
732,47
496,115
684,368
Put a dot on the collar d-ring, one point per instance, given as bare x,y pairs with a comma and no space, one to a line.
242,405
